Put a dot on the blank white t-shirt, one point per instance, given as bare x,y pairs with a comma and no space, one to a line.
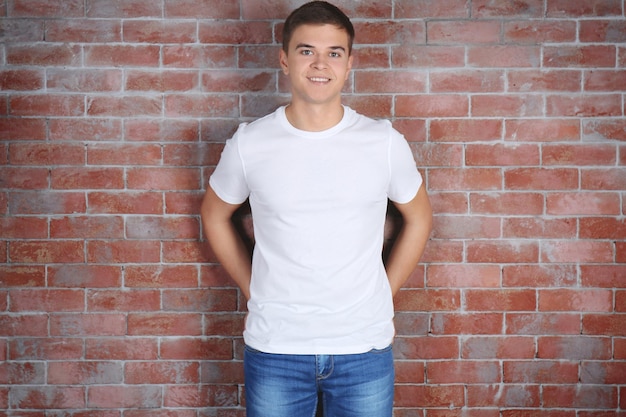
318,202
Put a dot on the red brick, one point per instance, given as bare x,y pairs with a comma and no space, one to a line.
604,324
41,252
492,347
126,106
47,105
84,80
21,80
163,178
584,105
475,324
595,8
443,251
22,129
235,33
170,372
161,276
87,227
427,300
44,54
35,325
123,251
84,276
164,324
201,396
438,154
376,106
603,372
605,80
545,275
161,81
449,202
585,203
88,324
224,324
453,179
183,252
24,373
525,8
123,154
213,276
455,276
22,276
85,373
508,56
365,58
584,251
602,276
389,32
504,396
83,31
539,227
196,349
502,154
40,300
46,202
580,396
543,323
200,300
428,56
541,179
500,300
542,130
411,9
123,9
390,82
467,372
118,396
429,395
230,372
122,55
597,56
85,129
471,32
87,178
543,80
23,178
205,56
465,227
123,300
465,130
575,300
466,81
129,349
23,228
507,106
539,31
46,348
46,154
602,228
162,130
604,179
125,203
177,105
409,372
506,203
238,81
211,9
436,106
574,347
578,155
159,31
502,251
47,397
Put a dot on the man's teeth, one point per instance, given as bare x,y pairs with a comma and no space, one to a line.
319,79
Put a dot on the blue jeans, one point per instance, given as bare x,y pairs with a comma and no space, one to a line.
359,385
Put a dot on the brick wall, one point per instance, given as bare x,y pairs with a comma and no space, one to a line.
114,113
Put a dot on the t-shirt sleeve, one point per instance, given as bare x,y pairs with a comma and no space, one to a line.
229,180
405,179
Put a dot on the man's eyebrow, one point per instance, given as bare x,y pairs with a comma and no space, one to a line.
307,46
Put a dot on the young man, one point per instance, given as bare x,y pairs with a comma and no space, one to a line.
318,177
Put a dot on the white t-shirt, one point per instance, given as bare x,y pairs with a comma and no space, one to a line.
318,202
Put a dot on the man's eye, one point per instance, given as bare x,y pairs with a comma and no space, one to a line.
306,52
335,55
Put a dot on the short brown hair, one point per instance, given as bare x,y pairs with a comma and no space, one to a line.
317,13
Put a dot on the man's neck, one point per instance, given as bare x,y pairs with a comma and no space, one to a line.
313,118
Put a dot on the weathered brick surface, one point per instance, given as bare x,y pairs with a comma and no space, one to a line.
114,113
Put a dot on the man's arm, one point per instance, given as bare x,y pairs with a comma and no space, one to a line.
224,239
409,246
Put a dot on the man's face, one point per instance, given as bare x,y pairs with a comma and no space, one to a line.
317,63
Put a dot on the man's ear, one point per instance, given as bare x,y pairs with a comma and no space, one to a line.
350,59
282,56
